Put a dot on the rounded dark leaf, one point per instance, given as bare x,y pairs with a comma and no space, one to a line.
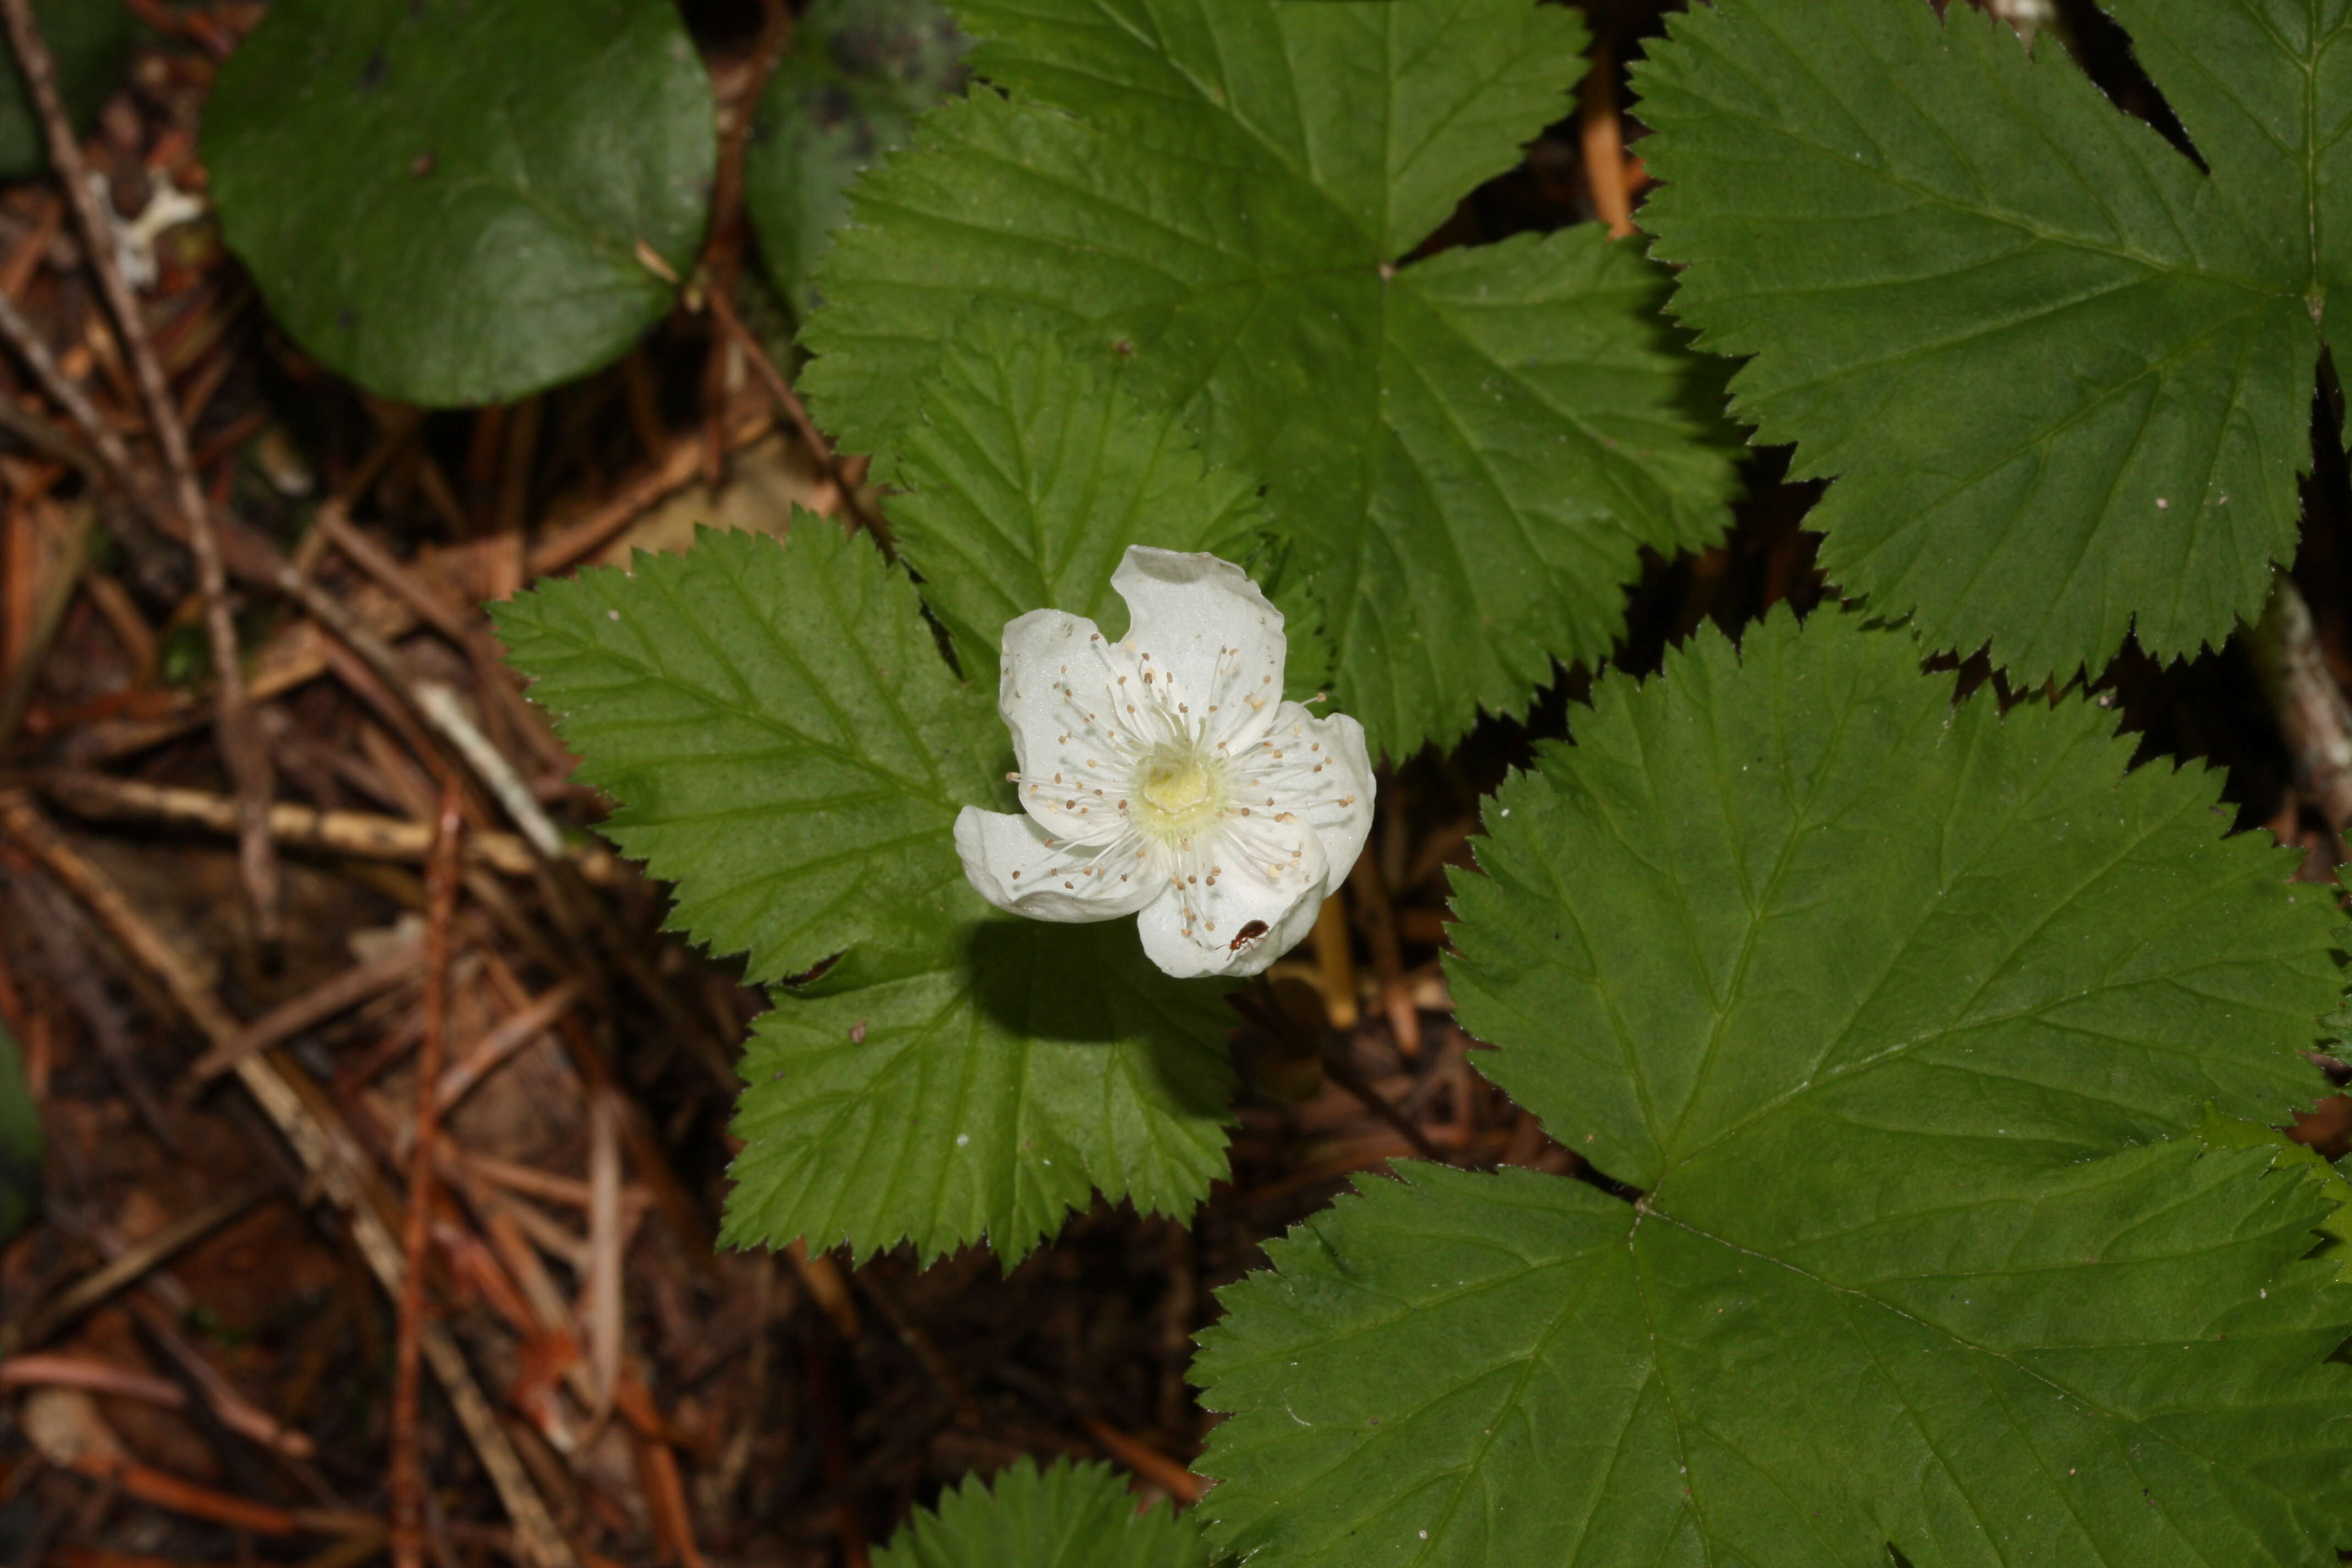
847,94
463,201
20,1141
88,39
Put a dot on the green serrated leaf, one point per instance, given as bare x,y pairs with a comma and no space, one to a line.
784,741
2063,376
1465,453
776,725
2229,1133
452,203
846,93
20,1141
1031,472
2122,1359
90,42
982,1093
1793,888
1067,1516
1906,1017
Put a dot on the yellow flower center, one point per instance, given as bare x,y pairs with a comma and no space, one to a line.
1176,786
1182,789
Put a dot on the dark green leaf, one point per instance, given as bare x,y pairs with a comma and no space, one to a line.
90,40
1773,893
454,203
982,1093
858,73
20,1141
783,740
1031,472
2118,1359
2227,1133
1069,1516
1905,1018
2063,375
1466,453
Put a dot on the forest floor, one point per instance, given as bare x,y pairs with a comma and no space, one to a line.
197,1327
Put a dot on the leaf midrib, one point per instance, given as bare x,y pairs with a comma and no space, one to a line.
1815,1082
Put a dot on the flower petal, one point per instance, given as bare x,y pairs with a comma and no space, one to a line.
1055,674
1017,866
1319,770
1243,904
1204,622
1341,808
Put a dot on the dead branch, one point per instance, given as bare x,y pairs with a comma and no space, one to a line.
364,835
326,1148
2313,717
408,1486
240,738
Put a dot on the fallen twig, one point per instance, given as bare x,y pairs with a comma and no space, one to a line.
55,927
828,1287
722,251
575,542
1344,1073
298,653
149,1253
240,738
462,625
111,456
511,1034
44,436
1147,1462
1335,962
530,1181
1604,143
364,835
2313,717
666,1501
326,1148
1379,920
38,1371
796,412
670,1195
605,1324
52,597
345,991
442,881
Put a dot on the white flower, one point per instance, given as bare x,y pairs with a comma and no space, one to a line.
1164,776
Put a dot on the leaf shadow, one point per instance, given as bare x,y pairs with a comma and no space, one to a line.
1091,985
